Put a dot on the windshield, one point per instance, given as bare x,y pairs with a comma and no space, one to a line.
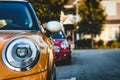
58,35
15,17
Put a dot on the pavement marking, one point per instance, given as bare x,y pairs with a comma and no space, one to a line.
68,79
73,78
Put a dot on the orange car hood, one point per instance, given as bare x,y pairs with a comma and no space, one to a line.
10,34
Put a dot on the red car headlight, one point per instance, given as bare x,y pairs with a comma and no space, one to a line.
56,49
64,44
20,54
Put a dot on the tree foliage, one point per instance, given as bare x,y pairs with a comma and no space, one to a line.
92,17
47,10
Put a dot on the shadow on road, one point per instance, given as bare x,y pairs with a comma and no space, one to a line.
62,64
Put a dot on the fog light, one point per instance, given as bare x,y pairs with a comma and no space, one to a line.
65,55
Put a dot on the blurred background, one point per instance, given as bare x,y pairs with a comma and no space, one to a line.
92,28
86,23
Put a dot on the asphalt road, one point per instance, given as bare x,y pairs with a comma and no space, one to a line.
91,65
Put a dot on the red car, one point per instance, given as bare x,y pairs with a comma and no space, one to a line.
62,50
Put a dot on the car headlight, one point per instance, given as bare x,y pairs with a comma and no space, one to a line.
64,44
20,54
56,49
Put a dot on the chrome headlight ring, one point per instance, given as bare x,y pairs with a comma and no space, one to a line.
20,54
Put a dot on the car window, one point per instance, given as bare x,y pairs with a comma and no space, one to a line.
15,17
58,35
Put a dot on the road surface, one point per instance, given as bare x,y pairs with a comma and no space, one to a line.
93,64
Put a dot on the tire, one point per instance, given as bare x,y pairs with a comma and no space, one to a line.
69,61
53,76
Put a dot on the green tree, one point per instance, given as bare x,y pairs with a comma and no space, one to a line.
47,10
92,17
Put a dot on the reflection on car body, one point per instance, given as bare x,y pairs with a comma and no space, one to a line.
25,51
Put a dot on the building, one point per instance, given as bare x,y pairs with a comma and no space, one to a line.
111,29
69,16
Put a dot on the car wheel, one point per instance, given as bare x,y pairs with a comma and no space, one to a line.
53,76
69,61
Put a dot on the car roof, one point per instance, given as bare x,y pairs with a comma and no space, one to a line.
15,0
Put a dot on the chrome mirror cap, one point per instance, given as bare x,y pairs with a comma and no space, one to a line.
53,26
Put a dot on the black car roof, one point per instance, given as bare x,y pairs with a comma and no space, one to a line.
15,0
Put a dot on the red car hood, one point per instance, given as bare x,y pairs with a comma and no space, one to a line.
57,42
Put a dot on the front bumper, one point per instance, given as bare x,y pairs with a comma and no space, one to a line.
62,55
36,76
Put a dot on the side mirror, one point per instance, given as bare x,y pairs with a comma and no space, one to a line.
53,26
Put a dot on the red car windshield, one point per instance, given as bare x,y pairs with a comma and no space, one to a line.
58,35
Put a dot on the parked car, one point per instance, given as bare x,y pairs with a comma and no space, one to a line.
26,51
62,50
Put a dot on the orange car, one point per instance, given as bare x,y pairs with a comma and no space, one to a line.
25,50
